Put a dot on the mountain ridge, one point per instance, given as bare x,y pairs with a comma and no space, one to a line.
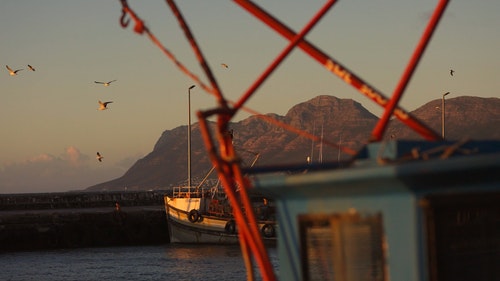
342,121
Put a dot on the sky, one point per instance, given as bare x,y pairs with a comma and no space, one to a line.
49,123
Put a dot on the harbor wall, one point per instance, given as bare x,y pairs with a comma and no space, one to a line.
81,219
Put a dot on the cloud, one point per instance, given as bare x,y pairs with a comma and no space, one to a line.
41,158
74,157
71,170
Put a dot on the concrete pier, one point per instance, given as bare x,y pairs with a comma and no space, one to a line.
81,219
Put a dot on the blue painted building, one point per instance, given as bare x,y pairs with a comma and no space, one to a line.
404,210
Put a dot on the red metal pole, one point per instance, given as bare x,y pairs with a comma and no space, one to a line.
247,230
381,126
293,43
338,69
199,55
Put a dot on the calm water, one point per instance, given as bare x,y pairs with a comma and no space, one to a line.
164,262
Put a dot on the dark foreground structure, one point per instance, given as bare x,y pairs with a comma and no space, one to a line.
81,219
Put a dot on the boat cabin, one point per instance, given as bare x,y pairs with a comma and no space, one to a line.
403,210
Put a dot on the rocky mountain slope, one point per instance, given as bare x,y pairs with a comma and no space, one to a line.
342,121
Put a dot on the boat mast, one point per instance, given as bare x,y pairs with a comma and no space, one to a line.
340,143
310,160
189,137
321,146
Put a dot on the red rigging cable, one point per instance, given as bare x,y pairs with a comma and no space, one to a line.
225,159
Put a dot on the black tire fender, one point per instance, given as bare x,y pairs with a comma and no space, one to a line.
268,230
194,216
231,227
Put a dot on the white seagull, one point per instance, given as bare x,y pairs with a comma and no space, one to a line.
99,157
105,83
31,67
12,72
103,105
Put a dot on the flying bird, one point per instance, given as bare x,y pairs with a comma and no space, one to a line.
105,83
103,105
31,67
451,72
224,65
99,157
12,72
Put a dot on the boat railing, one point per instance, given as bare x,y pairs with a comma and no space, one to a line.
189,192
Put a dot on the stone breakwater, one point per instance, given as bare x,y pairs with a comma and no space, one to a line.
81,219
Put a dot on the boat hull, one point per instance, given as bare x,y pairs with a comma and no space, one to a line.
189,222
183,233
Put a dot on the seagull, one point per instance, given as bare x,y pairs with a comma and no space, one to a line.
451,72
99,157
224,65
103,105
12,72
105,83
31,67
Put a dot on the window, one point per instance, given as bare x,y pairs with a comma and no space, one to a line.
342,247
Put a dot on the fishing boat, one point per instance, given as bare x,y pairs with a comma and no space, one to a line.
204,215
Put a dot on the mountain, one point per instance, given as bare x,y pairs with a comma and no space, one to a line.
465,117
342,121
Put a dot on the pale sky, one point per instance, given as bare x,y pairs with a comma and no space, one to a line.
49,122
